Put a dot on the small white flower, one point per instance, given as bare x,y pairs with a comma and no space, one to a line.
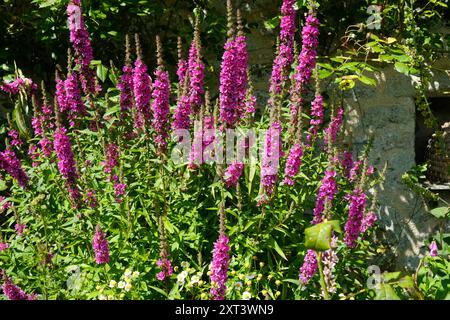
181,277
121,284
195,280
102,297
127,273
128,287
238,285
185,264
112,283
246,295
250,276
135,274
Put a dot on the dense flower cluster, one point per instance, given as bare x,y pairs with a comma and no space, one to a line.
74,103
112,157
233,173
100,246
66,159
20,228
142,84
228,94
161,108
271,157
433,249
368,221
334,127
347,162
241,73
79,37
327,191
307,58
309,267
181,117
13,292
125,85
166,269
285,56
12,165
3,246
14,86
219,268
196,73
316,117
293,163
15,138
355,217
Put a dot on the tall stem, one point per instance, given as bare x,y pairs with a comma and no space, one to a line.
322,278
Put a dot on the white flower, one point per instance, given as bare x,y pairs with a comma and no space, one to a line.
238,285
102,297
128,273
246,295
121,284
112,283
128,287
195,280
135,274
185,264
181,277
250,276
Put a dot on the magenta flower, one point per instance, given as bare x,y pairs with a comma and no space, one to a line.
233,173
271,157
347,162
20,228
79,37
219,268
61,94
5,205
241,74
285,57
334,127
142,92
165,267
125,85
368,221
293,163
196,73
66,159
3,246
13,87
112,157
12,165
120,190
228,94
355,171
316,117
433,249
182,71
327,191
74,103
91,199
46,147
181,117
355,217
161,108
250,107
13,292
309,267
15,138
100,246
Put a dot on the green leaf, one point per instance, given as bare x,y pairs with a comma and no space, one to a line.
440,212
401,67
406,282
278,249
386,292
367,80
3,185
102,72
318,237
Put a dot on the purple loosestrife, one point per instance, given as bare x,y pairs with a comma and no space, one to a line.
74,103
433,249
46,146
142,84
228,96
15,138
20,228
16,85
196,154
368,221
13,292
334,127
293,163
232,174
112,157
165,267
316,117
12,165
3,246
309,267
355,217
271,157
160,105
120,190
355,170
61,94
196,72
329,261
285,55
219,268
241,68
91,199
125,85
327,191
100,246
181,117
81,42
347,162
182,66
4,205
